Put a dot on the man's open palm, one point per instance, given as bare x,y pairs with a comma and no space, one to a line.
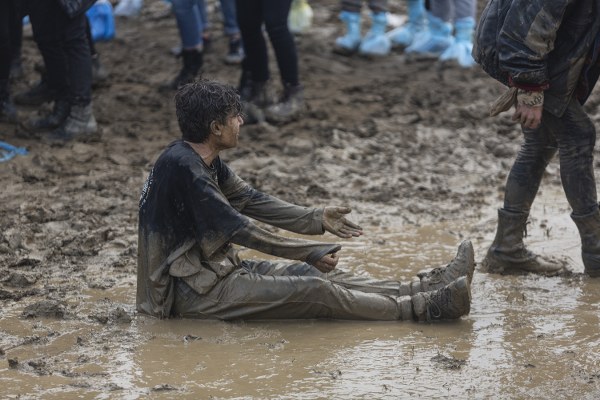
334,221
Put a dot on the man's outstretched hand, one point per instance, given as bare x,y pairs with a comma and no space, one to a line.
334,221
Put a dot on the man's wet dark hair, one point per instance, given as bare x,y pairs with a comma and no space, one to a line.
197,104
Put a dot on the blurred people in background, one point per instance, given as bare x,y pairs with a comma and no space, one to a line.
8,15
273,14
443,32
193,24
375,42
64,45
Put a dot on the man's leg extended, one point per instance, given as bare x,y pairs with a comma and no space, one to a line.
280,293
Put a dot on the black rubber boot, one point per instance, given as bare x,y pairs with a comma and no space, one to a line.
59,114
289,107
37,95
508,253
192,62
589,230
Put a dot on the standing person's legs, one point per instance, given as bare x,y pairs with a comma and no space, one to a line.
250,20
7,110
576,137
48,22
350,16
79,60
16,38
75,44
230,24
275,14
235,55
508,252
189,23
438,36
376,43
255,64
464,28
291,103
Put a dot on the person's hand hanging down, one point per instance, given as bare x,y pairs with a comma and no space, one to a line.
529,107
334,221
327,263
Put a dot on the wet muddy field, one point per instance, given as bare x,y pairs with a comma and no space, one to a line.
408,145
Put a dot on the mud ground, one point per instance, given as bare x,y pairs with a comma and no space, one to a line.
407,144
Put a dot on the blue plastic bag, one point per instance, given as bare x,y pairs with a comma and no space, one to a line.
8,151
102,21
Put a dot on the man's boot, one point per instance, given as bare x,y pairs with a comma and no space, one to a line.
460,50
37,95
59,114
508,254
437,38
80,124
192,62
376,43
404,35
462,265
8,112
289,107
255,97
348,44
450,302
589,230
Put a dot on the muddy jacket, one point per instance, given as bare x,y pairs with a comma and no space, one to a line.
541,44
191,213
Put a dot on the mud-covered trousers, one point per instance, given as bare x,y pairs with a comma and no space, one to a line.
573,135
268,290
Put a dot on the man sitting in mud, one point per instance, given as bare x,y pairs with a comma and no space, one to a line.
194,208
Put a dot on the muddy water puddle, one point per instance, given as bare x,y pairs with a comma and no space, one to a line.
526,336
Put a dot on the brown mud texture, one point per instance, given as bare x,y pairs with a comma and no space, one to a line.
408,144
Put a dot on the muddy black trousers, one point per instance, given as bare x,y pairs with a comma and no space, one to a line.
278,290
65,50
251,15
573,135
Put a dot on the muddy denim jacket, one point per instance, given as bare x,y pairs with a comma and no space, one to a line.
539,43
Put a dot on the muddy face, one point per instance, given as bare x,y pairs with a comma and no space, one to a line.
408,146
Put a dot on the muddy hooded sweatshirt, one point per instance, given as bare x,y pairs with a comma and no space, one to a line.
190,213
549,45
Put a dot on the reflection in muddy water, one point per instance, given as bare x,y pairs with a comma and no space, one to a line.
526,337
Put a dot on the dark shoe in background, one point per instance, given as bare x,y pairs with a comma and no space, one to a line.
289,107
80,124
255,98
37,95
235,55
57,117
